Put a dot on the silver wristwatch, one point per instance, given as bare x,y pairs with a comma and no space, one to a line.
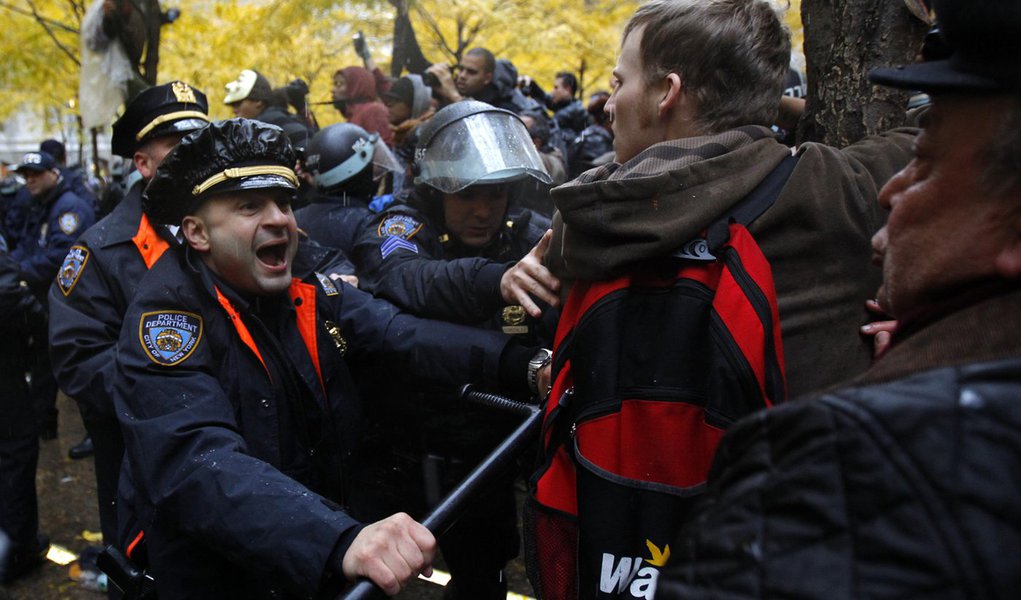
537,362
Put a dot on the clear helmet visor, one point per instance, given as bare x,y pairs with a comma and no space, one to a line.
484,148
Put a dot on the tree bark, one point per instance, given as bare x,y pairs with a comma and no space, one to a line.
844,40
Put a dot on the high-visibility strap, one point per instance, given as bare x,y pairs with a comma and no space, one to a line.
303,296
239,325
149,243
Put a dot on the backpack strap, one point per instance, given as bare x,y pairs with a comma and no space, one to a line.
754,204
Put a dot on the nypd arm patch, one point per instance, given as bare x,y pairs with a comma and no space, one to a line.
69,222
72,267
397,225
169,337
327,284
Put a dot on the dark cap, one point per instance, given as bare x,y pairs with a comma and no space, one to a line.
171,108
37,161
982,37
402,91
249,85
54,148
225,156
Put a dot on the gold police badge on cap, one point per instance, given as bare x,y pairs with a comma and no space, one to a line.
183,92
514,320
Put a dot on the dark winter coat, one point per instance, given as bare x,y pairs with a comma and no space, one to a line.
901,485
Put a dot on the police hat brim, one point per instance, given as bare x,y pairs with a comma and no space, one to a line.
255,182
182,127
951,75
33,167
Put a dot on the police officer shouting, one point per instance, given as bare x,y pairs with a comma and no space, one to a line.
101,272
235,394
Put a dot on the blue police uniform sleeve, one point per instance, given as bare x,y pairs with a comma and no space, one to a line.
68,219
401,268
416,347
86,312
188,460
19,309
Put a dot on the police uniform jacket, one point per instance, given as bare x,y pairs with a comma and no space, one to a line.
51,226
237,413
334,221
407,257
90,295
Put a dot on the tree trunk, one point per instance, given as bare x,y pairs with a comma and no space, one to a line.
844,40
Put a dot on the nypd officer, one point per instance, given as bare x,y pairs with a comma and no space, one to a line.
450,253
52,222
101,272
346,163
235,393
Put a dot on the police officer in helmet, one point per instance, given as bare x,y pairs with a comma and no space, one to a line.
347,164
461,250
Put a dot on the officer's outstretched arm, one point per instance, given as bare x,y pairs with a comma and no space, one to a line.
391,552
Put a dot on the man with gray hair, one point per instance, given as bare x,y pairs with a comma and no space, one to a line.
696,87
901,484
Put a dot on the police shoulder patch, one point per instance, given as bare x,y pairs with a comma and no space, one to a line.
169,336
69,222
328,286
398,225
72,267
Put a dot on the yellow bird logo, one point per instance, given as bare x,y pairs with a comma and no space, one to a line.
659,557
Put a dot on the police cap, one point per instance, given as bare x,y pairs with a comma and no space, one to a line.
225,156
171,108
984,51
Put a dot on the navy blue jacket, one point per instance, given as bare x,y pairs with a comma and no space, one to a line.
51,225
90,295
334,221
237,416
409,258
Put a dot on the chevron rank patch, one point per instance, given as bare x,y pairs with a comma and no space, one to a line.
169,337
393,244
401,226
328,286
69,222
72,267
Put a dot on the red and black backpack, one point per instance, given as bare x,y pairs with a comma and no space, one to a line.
649,370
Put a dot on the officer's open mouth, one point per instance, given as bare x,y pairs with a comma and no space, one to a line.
273,254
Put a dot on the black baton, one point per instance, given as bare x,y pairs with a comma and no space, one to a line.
446,512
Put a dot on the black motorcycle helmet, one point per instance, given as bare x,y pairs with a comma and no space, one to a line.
344,158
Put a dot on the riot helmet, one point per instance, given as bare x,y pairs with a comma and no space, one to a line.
470,143
341,154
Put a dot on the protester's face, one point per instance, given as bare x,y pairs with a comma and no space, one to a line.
248,238
632,105
472,75
397,111
474,215
247,108
339,87
560,93
40,182
943,231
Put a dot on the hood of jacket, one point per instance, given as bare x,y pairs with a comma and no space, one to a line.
421,99
619,214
